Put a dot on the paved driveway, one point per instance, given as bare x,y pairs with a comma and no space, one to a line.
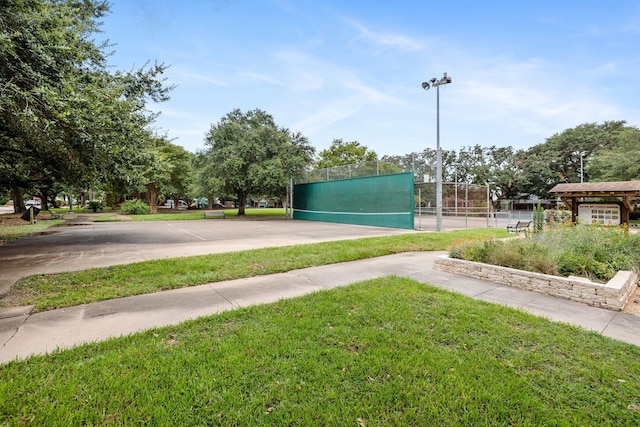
77,246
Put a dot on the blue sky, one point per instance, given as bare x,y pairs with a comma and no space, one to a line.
521,70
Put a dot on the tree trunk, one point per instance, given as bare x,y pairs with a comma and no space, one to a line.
152,196
18,203
241,197
44,199
52,199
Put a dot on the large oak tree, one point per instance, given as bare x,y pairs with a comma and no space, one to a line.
620,161
560,157
251,155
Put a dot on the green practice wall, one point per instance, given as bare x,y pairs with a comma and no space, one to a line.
384,201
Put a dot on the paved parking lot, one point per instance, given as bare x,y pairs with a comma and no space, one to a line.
81,245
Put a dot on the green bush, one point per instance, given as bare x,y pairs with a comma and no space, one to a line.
572,264
504,253
134,207
456,252
94,205
544,263
600,270
469,251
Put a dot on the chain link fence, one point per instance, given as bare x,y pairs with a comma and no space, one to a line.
464,205
359,170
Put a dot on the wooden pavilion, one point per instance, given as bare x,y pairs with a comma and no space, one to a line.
624,193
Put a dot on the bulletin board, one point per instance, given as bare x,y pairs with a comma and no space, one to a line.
599,213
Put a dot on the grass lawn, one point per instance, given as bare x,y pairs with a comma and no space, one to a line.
114,216
256,212
12,227
49,291
389,351
173,215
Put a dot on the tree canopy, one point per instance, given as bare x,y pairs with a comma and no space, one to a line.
559,158
620,161
609,151
344,153
65,118
251,155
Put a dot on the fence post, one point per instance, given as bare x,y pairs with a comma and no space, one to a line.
488,211
419,208
466,206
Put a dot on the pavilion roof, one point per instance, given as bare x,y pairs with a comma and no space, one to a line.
597,189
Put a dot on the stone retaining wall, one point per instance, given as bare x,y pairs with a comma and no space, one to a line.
611,295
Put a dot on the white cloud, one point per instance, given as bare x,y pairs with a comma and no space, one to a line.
188,76
261,78
385,40
302,73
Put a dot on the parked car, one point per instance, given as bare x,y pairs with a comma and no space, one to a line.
200,203
181,204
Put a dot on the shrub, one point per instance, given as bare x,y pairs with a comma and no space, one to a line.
94,205
470,251
543,263
572,264
456,252
504,253
134,207
599,270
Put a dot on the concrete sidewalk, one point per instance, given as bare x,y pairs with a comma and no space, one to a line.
23,334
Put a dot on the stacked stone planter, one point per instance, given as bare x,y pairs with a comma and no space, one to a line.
611,295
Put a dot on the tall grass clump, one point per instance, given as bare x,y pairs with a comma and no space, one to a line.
594,252
538,218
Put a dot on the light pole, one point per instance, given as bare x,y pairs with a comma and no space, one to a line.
489,198
426,85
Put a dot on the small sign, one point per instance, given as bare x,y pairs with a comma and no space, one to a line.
594,213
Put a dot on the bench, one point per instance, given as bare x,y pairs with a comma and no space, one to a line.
519,226
213,214
55,215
